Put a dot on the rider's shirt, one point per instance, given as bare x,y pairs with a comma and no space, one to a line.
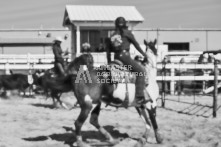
126,39
57,53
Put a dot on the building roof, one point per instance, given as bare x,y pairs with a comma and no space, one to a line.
26,41
91,13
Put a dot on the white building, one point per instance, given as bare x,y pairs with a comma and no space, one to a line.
93,24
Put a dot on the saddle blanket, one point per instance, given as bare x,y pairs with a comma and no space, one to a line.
120,91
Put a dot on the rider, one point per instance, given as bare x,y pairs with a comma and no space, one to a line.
59,56
121,40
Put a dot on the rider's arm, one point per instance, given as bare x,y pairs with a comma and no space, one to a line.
108,49
58,52
135,43
65,54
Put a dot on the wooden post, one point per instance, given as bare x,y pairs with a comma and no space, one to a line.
7,69
28,59
172,82
216,73
163,85
78,40
73,42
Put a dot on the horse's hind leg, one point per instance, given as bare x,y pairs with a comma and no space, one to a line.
94,121
60,102
152,114
86,106
54,99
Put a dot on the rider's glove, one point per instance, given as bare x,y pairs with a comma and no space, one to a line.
145,59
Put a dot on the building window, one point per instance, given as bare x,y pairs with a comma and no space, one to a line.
95,38
178,46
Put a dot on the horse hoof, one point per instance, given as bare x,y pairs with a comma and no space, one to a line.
159,137
146,135
64,106
142,141
114,141
81,144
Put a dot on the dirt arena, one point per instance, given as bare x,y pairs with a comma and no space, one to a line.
32,122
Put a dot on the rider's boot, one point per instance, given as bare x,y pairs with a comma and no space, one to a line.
125,103
143,99
140,100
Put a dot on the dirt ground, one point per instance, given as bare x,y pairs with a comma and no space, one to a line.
33,122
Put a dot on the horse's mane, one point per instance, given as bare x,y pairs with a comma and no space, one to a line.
200,60
84,59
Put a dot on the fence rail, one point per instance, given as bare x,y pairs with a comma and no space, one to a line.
171,67
28,58
29,61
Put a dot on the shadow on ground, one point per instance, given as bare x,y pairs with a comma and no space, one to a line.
90,137
50,106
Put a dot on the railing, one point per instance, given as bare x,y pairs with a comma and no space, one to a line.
172,78
30,61
99,58
28,58
190,57
8,67
171,67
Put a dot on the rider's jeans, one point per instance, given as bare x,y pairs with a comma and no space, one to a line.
60,68
133,66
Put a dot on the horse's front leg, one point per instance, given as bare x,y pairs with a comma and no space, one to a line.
86,106
143,114
152,114
24,92
94,121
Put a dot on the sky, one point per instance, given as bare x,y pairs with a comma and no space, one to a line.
48,14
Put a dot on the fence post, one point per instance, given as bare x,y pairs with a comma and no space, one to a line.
215,94
7,70
172,83
28,59
163,85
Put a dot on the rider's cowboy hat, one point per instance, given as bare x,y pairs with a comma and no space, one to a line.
58,39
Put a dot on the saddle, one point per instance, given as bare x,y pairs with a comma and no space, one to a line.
54,73
121,74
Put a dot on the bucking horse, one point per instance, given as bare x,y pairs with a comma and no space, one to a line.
94,85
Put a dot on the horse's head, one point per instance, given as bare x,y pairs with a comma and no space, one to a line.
203,58
84,59
151,45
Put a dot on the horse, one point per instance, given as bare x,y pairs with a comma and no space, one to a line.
17,81
151,69
92,85
57,84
